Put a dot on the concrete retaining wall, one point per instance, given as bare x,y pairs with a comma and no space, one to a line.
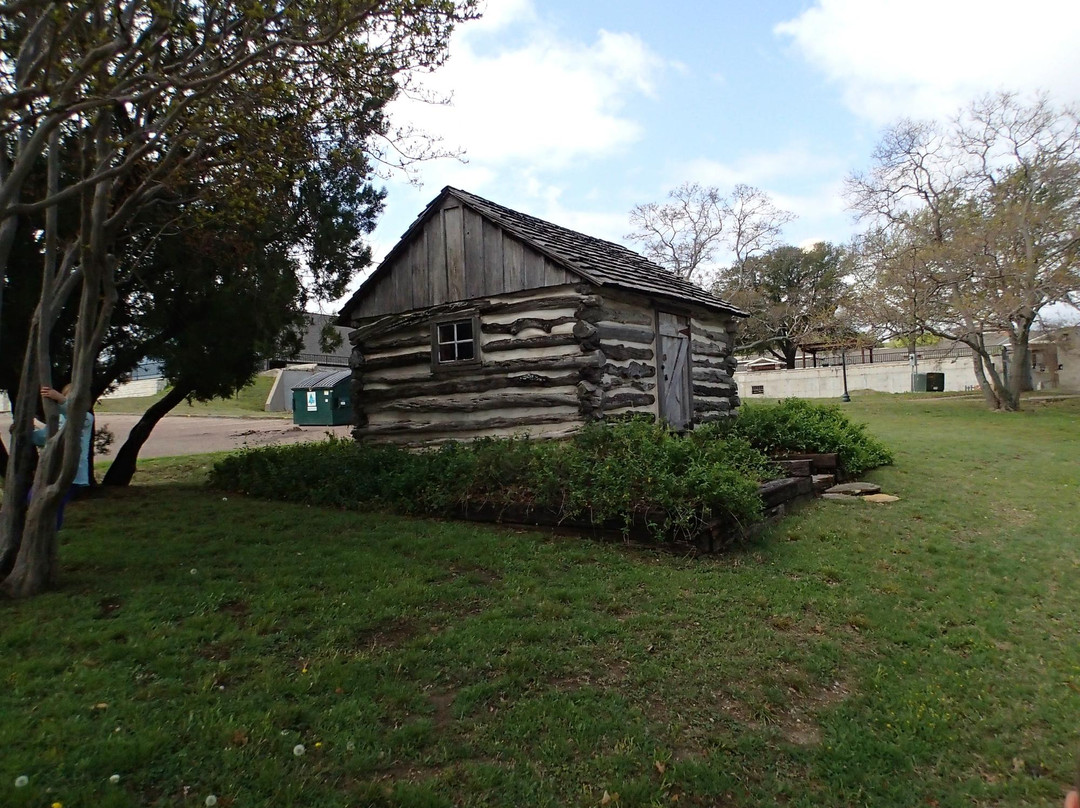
138,388
280,398
891,377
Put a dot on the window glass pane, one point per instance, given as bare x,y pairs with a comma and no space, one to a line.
455,341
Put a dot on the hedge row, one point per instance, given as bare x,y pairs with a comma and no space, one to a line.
797,425
632,474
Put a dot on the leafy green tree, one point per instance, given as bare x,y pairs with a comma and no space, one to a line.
133,107
792,295
227,303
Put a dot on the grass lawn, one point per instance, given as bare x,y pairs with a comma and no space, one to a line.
923,653
249,403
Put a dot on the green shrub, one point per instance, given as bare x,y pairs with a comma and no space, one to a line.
797,425
620,475
624,475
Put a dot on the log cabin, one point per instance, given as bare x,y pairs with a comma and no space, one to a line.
483,321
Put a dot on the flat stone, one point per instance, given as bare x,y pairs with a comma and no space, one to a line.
823,482
840,497
881,498
858,489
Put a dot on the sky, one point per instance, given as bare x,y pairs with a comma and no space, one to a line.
575,111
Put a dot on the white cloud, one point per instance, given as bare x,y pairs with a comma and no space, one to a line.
761,168
927,58
544,100
822,211
499,14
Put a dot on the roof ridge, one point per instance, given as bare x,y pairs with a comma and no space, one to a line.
595,260
640,264
546,223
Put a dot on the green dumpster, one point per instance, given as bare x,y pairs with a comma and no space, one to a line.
322,399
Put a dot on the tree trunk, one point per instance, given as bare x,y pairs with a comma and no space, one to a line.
20,467
996,387
35,566
1020,380
790,352
1001,383
123,467
20,471
984,383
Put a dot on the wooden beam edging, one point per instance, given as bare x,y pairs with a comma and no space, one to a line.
778,497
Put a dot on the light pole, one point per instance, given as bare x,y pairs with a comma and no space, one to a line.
843,369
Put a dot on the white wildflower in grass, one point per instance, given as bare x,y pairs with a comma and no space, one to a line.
298,750
114,779
194,571
211,801
21,781
350,746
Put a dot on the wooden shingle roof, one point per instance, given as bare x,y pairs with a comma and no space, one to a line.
604,263
600,262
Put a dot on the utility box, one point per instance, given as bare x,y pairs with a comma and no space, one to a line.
918,382
935,382
322,399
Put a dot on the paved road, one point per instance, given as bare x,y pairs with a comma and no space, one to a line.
189,434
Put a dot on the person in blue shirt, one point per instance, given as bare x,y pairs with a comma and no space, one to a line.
82,472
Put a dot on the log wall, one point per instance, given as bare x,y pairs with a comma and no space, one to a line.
623,331
527,381
553,359
712,369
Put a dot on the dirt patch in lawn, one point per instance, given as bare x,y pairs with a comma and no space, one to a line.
798,722
388,634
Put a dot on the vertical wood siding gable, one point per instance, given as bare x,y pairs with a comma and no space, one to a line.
434,235
458,255
455,252
478,272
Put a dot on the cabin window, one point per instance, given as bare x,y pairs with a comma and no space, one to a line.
455,342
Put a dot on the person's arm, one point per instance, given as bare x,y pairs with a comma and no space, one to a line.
39,436
57,396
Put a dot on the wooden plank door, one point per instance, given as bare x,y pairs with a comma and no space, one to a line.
673,342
